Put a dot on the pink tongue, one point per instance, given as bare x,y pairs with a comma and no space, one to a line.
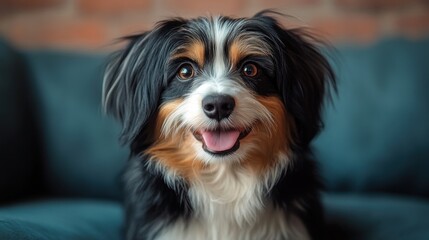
218,141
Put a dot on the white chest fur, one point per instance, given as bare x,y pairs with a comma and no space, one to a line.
229,203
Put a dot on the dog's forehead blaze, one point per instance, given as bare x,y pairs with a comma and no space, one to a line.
193,50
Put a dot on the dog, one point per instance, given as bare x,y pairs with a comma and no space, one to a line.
219,114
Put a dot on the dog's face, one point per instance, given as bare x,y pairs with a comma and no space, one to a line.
210,90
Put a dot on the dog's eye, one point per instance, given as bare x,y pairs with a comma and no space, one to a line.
250,70
186,72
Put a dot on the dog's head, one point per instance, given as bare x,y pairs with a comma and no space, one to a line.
208,90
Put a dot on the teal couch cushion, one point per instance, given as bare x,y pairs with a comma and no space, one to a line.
19,142
59,219
375,217
82,157
376,137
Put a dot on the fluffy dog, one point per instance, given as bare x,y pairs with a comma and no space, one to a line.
219,113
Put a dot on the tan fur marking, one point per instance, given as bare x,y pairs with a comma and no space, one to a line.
193,51
174,151
243,47
235,53
270,142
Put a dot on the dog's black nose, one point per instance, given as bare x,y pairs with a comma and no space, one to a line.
218,106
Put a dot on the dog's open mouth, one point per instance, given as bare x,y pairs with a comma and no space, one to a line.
221,141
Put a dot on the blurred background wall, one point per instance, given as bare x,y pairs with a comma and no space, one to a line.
94,24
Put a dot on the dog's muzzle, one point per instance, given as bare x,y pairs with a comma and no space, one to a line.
220,141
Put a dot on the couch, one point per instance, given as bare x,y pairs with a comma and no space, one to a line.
61,163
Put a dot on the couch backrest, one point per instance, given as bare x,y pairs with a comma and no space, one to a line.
377,134
19,143
82,157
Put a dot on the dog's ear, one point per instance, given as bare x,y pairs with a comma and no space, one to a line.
305,80
303,76
135,77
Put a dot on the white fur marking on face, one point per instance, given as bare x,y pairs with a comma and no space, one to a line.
220,32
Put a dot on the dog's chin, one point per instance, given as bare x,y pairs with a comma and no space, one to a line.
221,142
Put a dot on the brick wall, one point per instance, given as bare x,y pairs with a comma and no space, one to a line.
94,24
